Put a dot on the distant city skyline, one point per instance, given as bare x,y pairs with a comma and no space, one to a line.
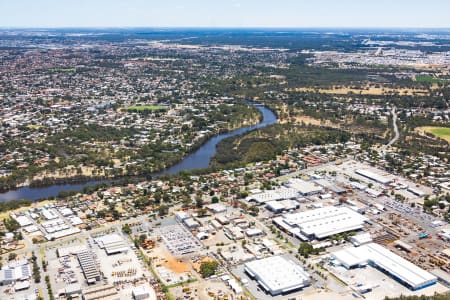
226,13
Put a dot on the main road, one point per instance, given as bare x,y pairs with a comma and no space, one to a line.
394,123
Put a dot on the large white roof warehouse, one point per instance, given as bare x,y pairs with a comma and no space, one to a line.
305,188
384,179
381,258
112,243
323,222
277,275
273,195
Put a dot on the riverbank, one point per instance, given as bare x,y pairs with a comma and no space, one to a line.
199,157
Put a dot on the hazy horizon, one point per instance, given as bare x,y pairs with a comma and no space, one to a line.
300,14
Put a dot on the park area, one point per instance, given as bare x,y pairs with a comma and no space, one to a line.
141,108
441,132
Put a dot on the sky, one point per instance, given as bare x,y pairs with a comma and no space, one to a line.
226,13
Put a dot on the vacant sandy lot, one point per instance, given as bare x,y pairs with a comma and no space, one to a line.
368,90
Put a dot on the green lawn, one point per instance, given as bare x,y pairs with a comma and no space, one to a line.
35,127
441,132
145,107
428,79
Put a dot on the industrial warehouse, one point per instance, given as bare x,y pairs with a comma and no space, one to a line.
277,275
320,223
89,267
388,262
112,244
374,176
274,195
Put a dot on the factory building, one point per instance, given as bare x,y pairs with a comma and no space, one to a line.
273,195
217,208
254,232
383,179
88,266
17,271
386,261
141,293
277,275
98,292
191,223
180,216
361,239
281,206
321,222
112,244
304,188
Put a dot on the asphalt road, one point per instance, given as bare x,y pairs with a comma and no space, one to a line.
394,122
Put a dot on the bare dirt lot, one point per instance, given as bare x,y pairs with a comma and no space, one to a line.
367,90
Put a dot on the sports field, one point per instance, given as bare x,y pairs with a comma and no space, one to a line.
145,107
442,132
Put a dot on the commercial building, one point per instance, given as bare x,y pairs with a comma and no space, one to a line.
277,275
72,290
274,195
216,224
304,188
361,239
388,262
417,192
234,232
72,250
65,212
22,285
97,292
191,223
180,216
223,220
22,220
17,273
383,179
293,231
62,233
49,214
282,206
234,285
112,243
321,222
216,208
141,293
445,233
330,186
254,232
88,266
275,207
442,276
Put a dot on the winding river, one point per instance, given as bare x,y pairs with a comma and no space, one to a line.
198,159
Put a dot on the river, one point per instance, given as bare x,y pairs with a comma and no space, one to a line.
196,160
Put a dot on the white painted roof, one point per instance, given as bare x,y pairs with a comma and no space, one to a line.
387,260
276,273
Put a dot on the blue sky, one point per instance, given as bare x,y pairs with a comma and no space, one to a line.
225,13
